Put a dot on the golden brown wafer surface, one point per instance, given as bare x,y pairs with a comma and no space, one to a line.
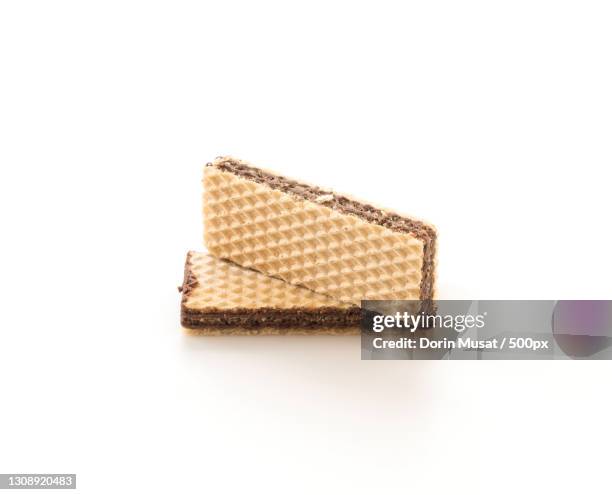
314,238
219,297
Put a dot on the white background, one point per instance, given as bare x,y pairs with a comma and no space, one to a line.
490,119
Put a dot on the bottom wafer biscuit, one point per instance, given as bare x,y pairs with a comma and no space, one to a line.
213,331
219,297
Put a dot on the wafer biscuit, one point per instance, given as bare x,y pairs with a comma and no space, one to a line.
313,237
219,297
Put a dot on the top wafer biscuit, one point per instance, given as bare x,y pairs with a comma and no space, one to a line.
316,238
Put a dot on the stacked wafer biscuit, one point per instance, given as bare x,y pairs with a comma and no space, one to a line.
287,257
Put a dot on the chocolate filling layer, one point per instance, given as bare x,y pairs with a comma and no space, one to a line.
369,213
271,317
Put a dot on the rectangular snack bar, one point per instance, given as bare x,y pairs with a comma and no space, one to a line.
308,236
219,297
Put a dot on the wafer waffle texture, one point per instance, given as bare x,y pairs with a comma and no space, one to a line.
315,238
221,298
